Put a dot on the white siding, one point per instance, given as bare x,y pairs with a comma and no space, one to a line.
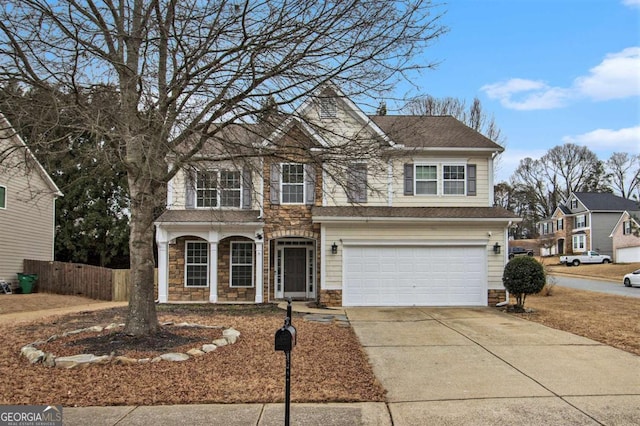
450,233
178,184
482,199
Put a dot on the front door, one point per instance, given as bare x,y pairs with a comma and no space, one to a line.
295,275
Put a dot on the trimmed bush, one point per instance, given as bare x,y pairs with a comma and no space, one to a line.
523,276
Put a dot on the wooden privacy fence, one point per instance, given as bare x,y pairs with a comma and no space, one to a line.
77,279
71,278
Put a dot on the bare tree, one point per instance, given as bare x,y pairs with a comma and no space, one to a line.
474,116
624,170
186,71
549,180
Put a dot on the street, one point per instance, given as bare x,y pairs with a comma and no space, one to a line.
594,285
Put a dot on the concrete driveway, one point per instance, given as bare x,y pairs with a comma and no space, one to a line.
481,366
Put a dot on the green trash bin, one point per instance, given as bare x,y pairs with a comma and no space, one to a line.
26,282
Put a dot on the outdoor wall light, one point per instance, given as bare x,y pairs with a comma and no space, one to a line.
334,248
496,248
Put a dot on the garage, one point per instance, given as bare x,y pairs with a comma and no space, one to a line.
628,255
414,275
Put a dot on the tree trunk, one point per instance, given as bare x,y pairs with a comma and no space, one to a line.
142,318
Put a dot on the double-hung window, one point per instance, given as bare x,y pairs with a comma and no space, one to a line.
292,184
453,179
230,188
441,179
560,224
426,179
241,264
196,264
545,228
581,221
579,242
3,197
626,227
207,189
218,188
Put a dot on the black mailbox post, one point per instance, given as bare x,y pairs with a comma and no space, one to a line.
285,340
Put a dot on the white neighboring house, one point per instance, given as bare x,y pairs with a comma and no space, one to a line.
626,244
27,205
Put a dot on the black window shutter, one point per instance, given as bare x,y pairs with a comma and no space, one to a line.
471,179
246,188
274,187
190,189
310,183
408,179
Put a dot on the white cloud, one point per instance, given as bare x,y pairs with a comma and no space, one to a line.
521,94
631,3
616,77
622,140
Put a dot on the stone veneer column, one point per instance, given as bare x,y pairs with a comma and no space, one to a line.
213,272
163,270
259,272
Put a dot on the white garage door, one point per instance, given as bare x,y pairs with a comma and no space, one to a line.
414,276
628,255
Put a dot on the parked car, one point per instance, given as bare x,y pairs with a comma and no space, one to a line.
632,279
588,257
519,251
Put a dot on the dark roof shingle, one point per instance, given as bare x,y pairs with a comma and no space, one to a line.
210,216
420,131
415,212
604,201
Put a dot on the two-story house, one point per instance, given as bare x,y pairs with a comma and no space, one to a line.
340,208
584,222
27,205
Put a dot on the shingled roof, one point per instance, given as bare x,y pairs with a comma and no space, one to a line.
419,131
210,216
604,201
447,213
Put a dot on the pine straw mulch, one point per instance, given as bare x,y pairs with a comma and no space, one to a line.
328,363
609,319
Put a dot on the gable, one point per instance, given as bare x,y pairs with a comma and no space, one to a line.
18,162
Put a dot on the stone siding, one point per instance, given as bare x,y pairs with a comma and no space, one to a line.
288,220
496,296
331,298
226,293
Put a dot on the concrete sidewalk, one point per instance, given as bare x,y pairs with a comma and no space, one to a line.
367,413
466,366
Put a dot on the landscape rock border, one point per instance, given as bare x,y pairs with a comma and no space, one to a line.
35,355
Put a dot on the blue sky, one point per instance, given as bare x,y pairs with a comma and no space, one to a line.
549,71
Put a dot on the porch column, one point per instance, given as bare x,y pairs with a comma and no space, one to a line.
259,271
163,268
213,274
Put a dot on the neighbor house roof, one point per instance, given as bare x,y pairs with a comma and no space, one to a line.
420,131
604,201
320,214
